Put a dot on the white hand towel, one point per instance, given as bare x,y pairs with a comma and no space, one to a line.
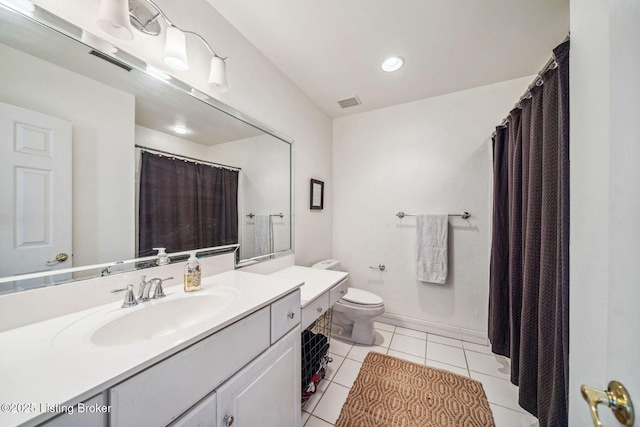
263,232
432,236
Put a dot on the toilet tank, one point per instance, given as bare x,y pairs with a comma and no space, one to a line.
327,264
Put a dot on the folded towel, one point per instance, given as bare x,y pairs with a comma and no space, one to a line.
432,231
263,233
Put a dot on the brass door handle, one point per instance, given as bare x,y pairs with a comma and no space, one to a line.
615,397
61,257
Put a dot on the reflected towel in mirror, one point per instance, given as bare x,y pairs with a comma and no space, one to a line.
263,232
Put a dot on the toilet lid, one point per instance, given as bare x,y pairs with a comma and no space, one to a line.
359,296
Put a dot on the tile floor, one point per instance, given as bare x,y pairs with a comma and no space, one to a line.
468,359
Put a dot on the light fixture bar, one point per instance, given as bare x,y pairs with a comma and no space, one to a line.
171,24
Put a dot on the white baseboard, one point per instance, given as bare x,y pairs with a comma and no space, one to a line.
449,331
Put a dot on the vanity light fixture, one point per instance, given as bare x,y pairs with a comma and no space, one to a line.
113,19
118,17
392,64
175,50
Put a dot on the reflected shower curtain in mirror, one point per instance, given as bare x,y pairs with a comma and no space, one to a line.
185,205
529,281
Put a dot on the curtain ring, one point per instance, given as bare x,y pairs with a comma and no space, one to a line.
553,65
540,82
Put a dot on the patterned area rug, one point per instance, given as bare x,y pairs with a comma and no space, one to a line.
392,392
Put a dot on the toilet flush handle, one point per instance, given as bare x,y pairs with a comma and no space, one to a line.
380,267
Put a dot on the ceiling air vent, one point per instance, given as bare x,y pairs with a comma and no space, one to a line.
349,102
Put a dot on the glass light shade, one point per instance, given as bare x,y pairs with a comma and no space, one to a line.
113,19
175,50
218,74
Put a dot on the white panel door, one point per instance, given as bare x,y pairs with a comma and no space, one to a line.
35,171
605,239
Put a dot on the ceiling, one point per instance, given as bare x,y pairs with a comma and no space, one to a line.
333,49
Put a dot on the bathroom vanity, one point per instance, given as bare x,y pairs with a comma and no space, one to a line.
229,352
321,289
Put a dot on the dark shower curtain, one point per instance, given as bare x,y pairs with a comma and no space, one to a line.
185,205
529,283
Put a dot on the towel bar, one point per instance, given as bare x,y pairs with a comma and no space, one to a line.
465,215
281,215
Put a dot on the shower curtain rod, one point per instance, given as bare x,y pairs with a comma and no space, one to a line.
191,159
550,65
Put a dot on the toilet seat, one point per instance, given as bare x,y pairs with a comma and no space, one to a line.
361,298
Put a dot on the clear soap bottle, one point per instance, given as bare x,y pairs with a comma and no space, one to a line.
163,258
192,274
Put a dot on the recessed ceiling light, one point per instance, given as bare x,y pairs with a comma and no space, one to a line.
392,64
180,130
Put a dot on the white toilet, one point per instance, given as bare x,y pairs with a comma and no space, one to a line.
354,313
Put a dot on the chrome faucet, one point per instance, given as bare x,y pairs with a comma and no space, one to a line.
145,286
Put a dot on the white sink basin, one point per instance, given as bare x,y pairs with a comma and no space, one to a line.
146,321
162,318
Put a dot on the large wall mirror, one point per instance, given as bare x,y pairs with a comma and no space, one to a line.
76,126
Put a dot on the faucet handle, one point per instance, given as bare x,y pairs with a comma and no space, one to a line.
129,298
159,291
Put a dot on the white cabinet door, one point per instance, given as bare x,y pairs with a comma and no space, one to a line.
266,392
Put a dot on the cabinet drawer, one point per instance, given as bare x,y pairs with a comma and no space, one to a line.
337,292
285,315
161,393
314,309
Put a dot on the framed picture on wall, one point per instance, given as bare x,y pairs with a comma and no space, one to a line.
317,194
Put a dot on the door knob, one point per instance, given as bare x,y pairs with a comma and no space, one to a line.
615,397
61,257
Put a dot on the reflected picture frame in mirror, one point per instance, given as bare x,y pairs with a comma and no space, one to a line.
16,36
316,195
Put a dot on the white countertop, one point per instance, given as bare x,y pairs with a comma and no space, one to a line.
316,280
40,365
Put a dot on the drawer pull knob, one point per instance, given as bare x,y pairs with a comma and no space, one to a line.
228,420
319,309
291,315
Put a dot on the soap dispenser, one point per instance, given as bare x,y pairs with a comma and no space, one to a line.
163,258
192,274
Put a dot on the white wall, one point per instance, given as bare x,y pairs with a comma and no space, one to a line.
103,138
257,88
428,156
